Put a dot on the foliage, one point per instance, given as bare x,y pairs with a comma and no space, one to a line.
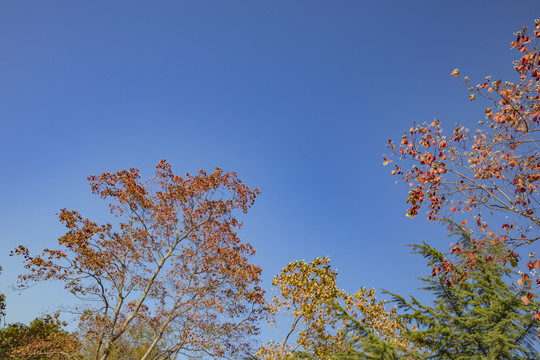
488,173
481,316
308,292
133,344
364,344
2,305
171,259
43,339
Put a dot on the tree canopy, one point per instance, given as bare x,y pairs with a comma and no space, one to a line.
308,297
43,339
481,316
474,176
170,258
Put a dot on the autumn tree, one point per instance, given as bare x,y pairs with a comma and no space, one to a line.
489,177
307,293
170,258
44,338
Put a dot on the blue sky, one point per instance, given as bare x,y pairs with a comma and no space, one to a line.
299,97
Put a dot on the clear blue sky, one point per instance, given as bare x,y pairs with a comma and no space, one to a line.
299,97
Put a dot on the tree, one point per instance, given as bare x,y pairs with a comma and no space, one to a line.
309,294
487,174
171,258
42,339
133,344
479,317
2,305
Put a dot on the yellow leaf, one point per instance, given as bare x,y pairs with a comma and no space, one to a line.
455,72
472,97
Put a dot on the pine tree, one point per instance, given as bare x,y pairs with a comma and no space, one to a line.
477,313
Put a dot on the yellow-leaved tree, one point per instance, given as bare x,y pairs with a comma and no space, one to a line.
320,312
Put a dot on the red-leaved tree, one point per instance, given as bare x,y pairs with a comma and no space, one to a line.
170,259
485,179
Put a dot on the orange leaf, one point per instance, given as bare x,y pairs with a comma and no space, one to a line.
527,298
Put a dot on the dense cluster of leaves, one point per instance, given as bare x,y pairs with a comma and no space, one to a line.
173,261
308,293
482,316
42,339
